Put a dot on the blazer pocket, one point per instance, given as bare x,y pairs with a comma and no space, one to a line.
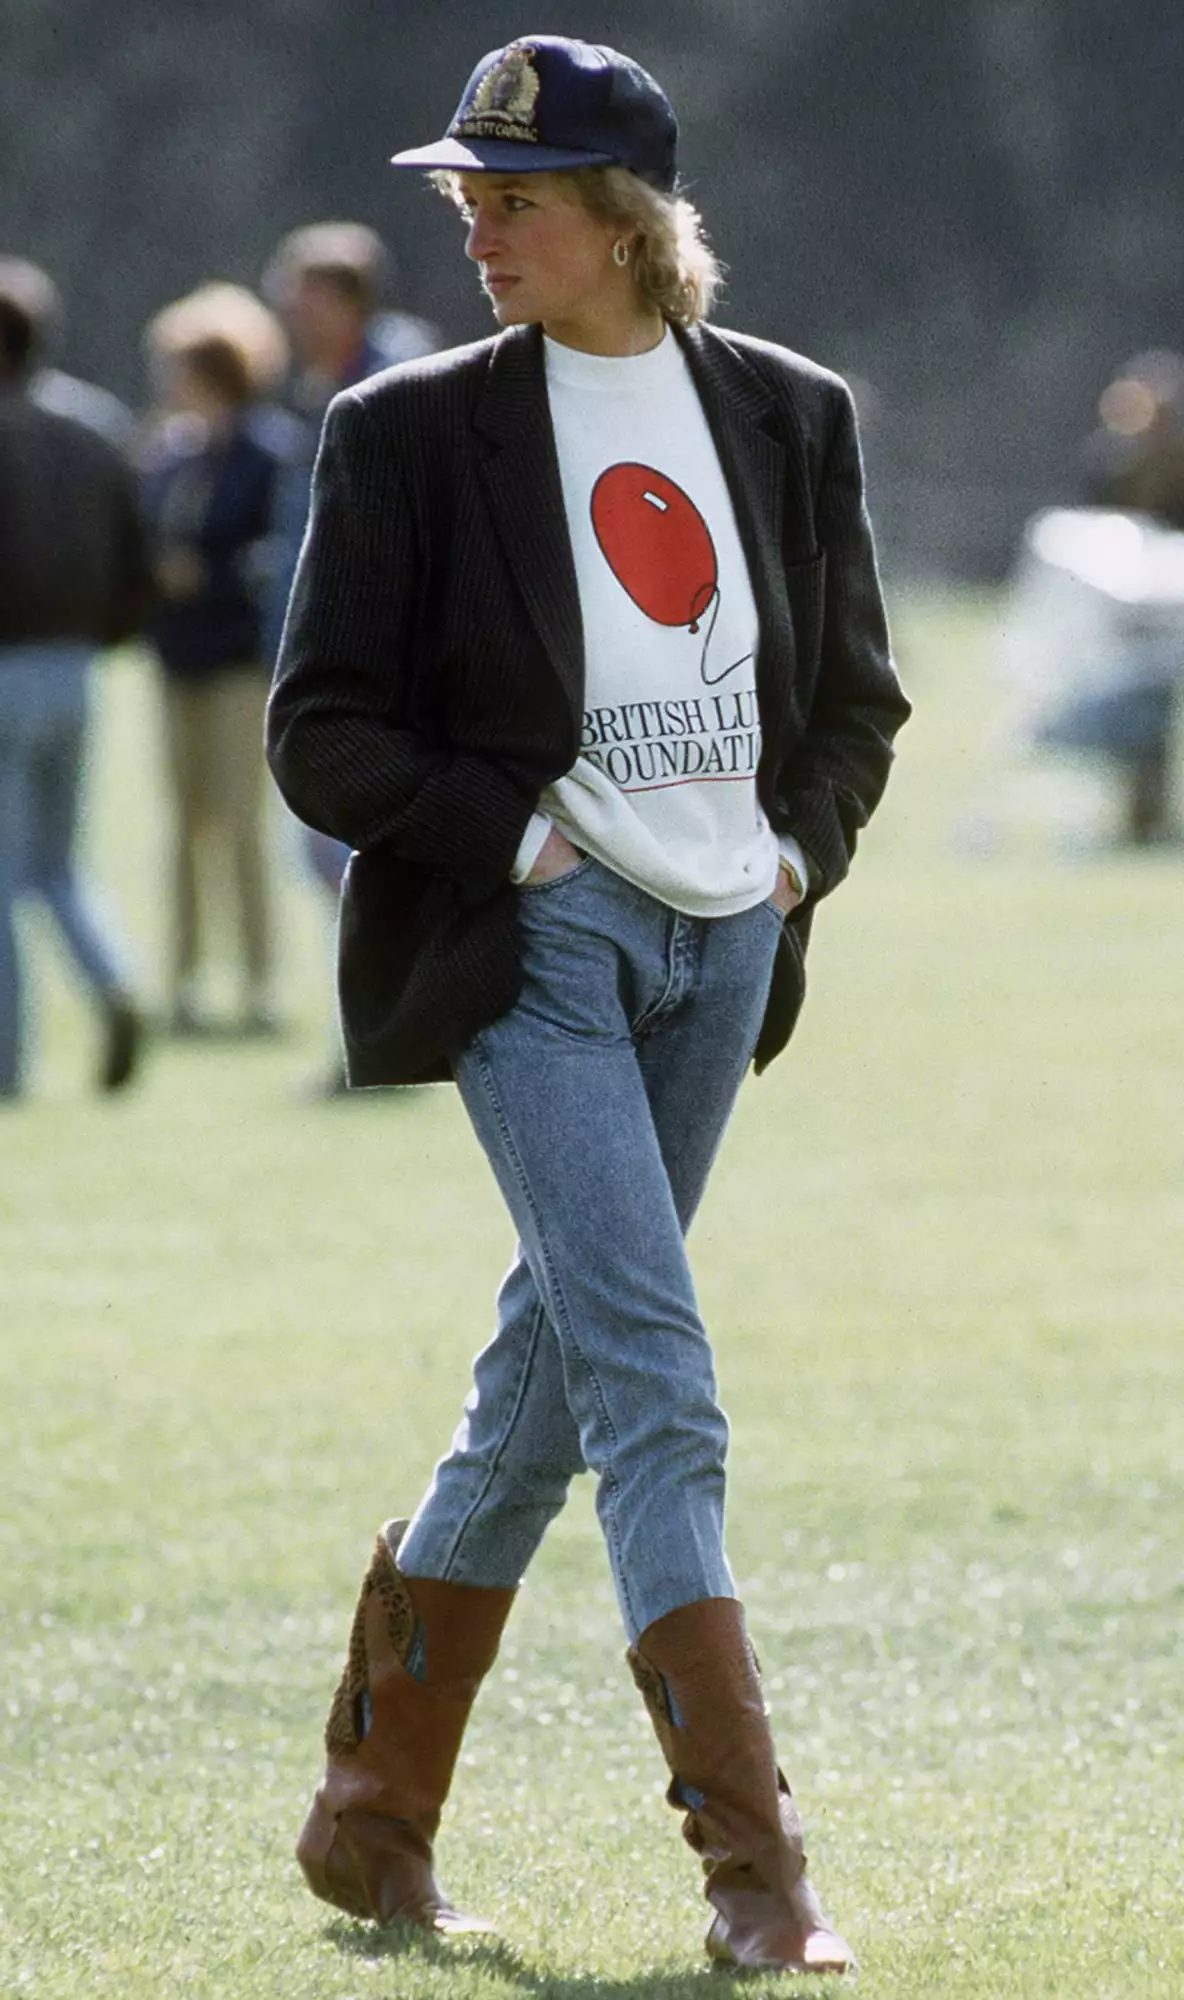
805,587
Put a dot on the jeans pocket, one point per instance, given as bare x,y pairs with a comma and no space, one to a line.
552,883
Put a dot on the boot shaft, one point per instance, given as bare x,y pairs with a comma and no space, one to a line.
419,1650
699,1679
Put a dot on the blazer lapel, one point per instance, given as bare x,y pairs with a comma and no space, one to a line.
520,474
737,407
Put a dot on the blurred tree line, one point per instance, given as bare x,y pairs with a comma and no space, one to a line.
973,206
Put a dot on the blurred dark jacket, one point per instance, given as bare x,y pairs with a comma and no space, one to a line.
73,560
97,408
211,502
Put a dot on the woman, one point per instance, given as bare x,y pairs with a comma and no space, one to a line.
210,475
587,662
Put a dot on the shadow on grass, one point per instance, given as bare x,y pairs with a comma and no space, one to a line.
495,1955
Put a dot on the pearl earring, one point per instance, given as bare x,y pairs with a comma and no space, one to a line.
620,252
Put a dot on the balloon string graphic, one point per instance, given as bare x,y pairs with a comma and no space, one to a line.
713,680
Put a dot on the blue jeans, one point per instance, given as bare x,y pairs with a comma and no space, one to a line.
601,1099
43,718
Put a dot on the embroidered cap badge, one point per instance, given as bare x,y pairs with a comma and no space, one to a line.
502,106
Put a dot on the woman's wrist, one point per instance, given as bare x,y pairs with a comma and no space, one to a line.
793,877
556,856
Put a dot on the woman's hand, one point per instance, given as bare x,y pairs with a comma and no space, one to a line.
180,573
789,890
556,856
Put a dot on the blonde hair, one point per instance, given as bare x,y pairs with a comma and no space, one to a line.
674,267
225,329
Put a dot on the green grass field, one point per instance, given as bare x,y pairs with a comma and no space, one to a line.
943,1258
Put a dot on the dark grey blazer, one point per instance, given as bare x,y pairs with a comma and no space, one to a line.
431,677
74,560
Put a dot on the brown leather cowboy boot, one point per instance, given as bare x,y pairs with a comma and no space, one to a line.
698,1675
418,1652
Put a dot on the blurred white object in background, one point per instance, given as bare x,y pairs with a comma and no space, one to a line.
1096,607
1090,659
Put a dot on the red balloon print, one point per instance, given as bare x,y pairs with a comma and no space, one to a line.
656,543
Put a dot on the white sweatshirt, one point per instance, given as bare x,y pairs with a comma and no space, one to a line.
664,788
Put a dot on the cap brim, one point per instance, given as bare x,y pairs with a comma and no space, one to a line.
497,156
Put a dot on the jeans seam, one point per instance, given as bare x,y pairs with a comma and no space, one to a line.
539,1319
660,1007
485,1070
552,882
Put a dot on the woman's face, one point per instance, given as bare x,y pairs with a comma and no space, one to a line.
188,390
545,259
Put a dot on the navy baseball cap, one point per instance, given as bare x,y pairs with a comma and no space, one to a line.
544,103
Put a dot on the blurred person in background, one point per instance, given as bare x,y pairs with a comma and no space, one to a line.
50,386
1134,461
328,281
211,466
586,661
74,577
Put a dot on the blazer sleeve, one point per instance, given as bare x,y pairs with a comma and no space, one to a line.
132,581
834,779
346,739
